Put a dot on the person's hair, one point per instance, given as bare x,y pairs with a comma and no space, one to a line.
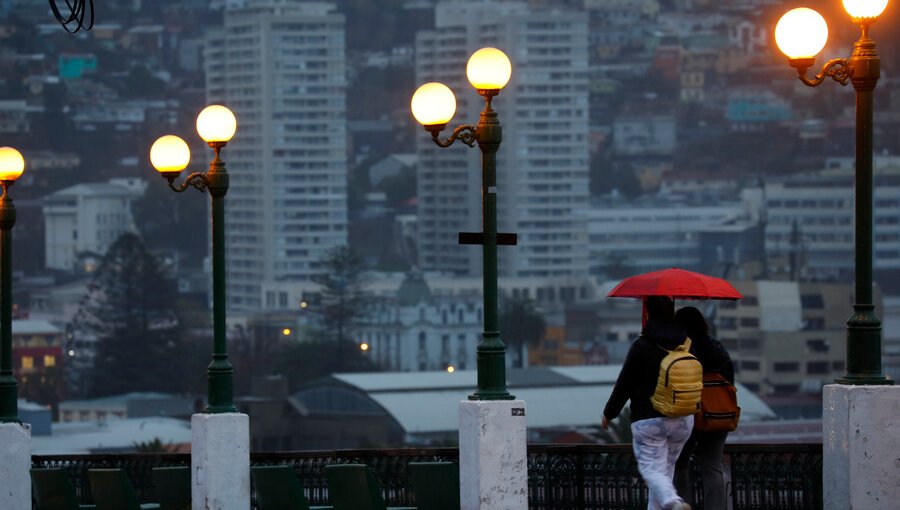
692,320
660,309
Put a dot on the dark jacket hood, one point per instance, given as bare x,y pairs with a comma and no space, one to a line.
667,336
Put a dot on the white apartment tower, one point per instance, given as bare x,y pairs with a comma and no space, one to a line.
280,66
542,173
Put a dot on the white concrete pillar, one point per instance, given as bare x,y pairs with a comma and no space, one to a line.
15,463
861,447
220,461
493,460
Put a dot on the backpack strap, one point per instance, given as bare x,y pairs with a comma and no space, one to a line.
686,346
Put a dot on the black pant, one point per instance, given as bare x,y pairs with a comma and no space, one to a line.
707,448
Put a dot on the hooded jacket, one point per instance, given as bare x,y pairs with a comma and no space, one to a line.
637,380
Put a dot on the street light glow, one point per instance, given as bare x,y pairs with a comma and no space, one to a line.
860,9
170,153
801,33
12,164
216,123
364,346
489,69
304,304
433,104
450,369
286,331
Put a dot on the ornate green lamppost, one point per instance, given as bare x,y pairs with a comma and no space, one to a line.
170,155
801,34
433,105
12,164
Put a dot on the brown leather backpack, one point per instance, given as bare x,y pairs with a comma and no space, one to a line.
718,405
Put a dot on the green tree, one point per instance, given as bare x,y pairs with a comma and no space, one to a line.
155,445
521,324
343,300
304,361
158,209
131,313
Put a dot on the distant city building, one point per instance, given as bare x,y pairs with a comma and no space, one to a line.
37,345
644,135
281,66
542,174
86,219
786,338
653,236
811,218
129,405
548,293
417,331
391,166
397,409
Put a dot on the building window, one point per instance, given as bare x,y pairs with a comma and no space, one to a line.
786,366
49,360
27,363
785,389
817,367
817,345
749,322
727,322
812,301
814,324
749,365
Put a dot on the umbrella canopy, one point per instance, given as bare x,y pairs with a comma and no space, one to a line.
676,284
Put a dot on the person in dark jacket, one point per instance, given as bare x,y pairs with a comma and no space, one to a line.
658,439
707,447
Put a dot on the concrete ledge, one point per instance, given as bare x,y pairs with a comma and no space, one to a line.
15,463
861,447
220,461
493,460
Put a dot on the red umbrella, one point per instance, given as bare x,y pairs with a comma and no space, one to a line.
676,284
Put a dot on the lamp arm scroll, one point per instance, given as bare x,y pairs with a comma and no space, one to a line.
464,133
197,180
838,69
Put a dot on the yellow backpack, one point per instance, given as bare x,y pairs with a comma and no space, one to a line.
680,383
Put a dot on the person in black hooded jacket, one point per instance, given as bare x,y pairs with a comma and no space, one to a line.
707,447
658,439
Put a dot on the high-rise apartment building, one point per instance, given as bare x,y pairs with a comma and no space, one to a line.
280,66
542,172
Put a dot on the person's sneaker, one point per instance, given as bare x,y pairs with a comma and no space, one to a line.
681,505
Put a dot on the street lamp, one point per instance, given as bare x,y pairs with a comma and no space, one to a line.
170,155
12,164
801,34
433,105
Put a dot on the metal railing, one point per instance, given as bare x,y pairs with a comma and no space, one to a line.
590,477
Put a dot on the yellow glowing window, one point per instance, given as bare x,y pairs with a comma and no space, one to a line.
27,363
49,360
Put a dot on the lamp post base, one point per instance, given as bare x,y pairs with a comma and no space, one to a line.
861,446
220,461
493,460
15,480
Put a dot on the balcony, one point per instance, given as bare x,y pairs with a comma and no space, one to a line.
589,477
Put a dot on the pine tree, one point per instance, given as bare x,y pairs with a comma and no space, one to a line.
343,300
131,311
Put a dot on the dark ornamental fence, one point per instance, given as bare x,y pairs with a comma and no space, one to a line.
590,477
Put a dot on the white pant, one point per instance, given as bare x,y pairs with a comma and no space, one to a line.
657,444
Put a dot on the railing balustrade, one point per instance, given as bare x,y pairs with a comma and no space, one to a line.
589,477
